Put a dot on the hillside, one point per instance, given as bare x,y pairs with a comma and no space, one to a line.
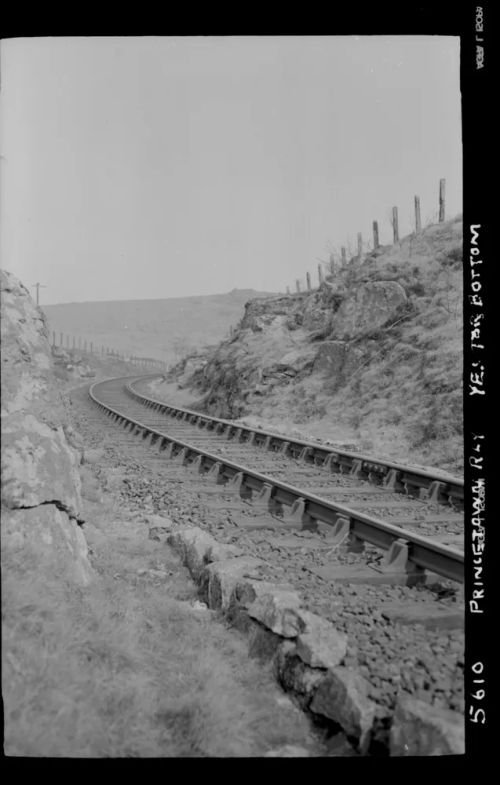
372,359
165,329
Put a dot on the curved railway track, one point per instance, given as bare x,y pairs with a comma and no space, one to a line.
413,517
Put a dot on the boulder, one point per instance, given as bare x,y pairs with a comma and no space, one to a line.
57,539
371,306
198,548
320,645
278,611
38,466
343,697
222,578
421,729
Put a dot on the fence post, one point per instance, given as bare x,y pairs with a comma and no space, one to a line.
320,274
60,339
395,226
360,246
67,342
375,235
308,281
332,264
441,200
418,222
344,257
74,343
297,284
91,348
85,345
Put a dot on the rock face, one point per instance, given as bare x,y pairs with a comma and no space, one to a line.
41,489
38,466
281,340
369,307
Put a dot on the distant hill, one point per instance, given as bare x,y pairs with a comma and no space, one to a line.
166,329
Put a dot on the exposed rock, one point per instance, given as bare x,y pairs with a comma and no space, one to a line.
370,306
320,645
198,548
263,644
37,465
58,540
221,579
246,593
342,697
40,478
316,317
27,381
278,611
297,677
421,729
297,360
194,545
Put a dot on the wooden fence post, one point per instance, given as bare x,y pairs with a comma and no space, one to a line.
441,200
332,264
375,235
320,274
308,281
297,284
53,338
395,226
344,258
360,246
418,221
60,339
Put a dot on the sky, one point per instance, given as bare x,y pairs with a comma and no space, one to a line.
151,167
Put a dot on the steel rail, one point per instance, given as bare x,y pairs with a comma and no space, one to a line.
394,476
420,552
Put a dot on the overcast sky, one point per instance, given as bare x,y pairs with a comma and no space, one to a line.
163,167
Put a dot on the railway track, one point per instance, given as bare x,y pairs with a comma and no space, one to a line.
374,562
412,518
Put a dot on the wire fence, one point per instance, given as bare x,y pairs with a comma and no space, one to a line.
84,346
335,265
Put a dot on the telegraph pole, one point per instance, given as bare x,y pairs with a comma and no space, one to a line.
38,286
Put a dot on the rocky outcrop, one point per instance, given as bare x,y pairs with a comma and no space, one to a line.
369,306
41,489
284,339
